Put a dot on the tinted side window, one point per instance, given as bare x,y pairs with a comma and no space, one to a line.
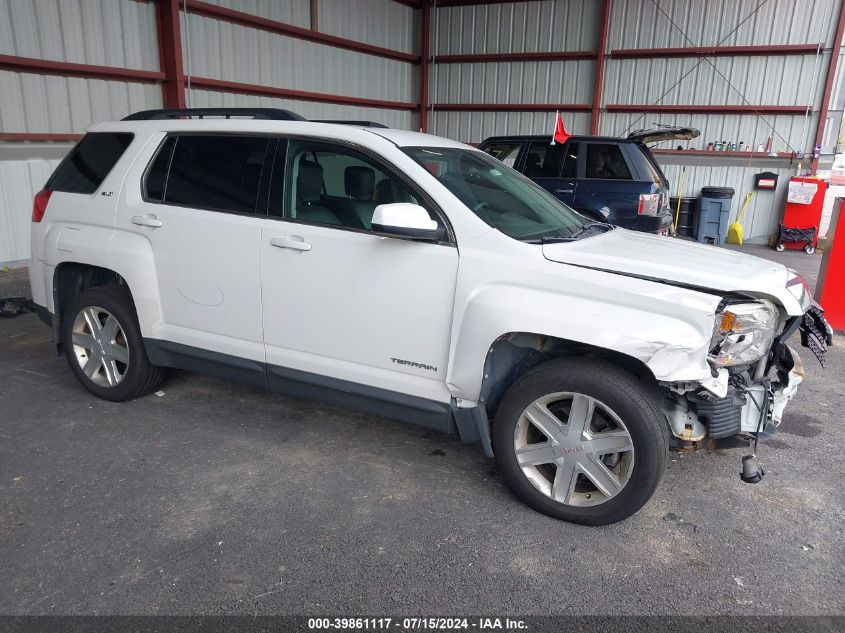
156,180
605,160
544,160
504,151
89,162
337,186
216,172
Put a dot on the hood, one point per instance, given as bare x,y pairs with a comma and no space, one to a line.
667,133
678,261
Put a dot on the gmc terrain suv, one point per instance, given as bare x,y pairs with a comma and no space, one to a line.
606,179
416,278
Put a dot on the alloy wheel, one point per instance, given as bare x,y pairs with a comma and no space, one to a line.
574,449
100,347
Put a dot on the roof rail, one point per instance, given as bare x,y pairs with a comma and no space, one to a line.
358,123
274,114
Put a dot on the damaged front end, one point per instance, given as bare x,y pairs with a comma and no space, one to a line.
754,375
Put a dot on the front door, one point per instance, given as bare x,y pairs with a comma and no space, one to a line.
201,213
344,308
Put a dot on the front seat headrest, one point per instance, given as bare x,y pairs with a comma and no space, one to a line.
384,192
359,182
309,181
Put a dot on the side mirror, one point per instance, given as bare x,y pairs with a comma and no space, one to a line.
403,219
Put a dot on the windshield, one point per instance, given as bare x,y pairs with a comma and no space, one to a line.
500,196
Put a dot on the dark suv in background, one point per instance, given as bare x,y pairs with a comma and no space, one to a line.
609,179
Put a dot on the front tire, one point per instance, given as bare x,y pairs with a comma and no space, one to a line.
581,440
103,345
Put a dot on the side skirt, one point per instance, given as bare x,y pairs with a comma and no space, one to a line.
390,404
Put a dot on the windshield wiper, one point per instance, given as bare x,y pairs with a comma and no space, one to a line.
581,233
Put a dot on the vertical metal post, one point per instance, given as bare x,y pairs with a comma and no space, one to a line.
315,16
828,85
170,53
598,86
424,58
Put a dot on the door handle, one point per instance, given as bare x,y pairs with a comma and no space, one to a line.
295,243
564,190
146,220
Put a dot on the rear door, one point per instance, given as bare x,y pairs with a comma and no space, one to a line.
553,167
606,181
201,212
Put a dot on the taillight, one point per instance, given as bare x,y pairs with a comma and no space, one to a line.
649,204
39,205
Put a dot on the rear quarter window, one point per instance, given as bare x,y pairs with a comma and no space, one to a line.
606,161
86,166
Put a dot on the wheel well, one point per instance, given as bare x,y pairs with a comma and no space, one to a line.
71,278
515,353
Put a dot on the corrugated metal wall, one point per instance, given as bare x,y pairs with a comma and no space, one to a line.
761,217
378,22
101,32
19,180
119,33
544,26
220,50
400,119
550,25
529,27
123,33
771,80
554,25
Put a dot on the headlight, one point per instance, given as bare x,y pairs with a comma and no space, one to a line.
743,334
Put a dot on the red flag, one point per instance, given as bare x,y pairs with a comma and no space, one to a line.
560,135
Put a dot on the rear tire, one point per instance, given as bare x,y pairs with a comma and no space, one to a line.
595,476
103,345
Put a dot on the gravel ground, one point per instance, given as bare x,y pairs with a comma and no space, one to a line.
216,498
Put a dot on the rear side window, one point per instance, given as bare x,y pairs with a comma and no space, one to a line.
89,162
504,151
209,172
544,160
605,160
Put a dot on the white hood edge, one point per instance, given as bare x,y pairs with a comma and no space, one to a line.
679,261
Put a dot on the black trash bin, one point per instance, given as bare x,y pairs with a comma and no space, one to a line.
687,218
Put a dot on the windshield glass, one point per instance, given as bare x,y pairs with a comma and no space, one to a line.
497,194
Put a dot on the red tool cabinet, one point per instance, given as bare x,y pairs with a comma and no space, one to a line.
803,211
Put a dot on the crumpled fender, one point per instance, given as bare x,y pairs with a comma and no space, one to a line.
667,328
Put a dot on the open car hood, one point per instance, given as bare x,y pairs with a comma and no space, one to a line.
678,262
659,134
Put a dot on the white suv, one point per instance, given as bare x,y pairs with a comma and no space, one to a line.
416,278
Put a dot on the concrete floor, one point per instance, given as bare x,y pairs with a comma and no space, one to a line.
217,498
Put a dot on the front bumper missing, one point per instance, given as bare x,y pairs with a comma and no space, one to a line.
739,405
747,408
